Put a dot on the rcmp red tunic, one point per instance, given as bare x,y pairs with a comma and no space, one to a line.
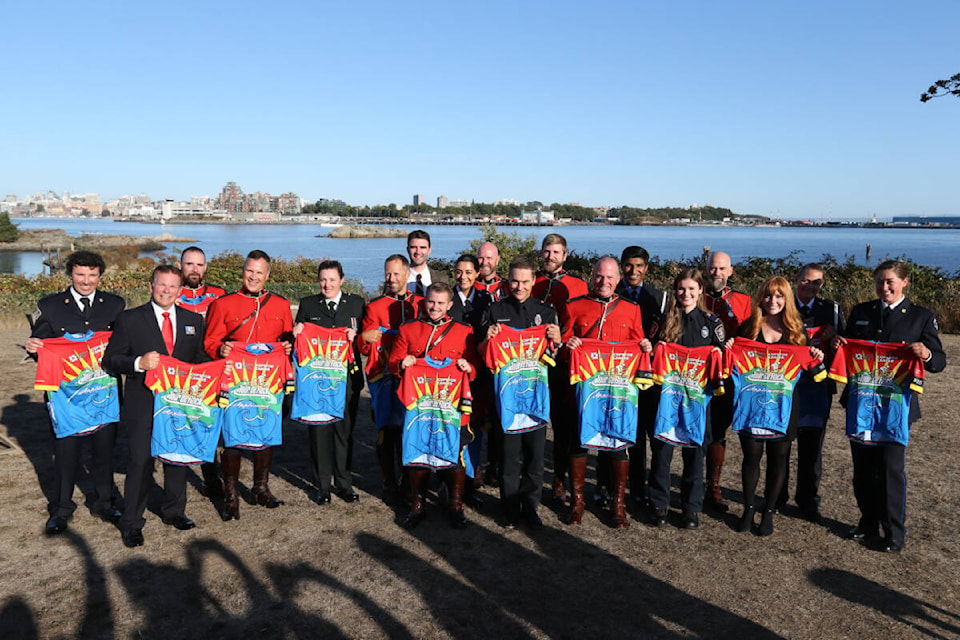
446,339
558,289
200,298
732,307
270,320
622,323
497,287
385,312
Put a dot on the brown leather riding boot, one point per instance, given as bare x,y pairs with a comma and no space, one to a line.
714,497
261,475
578,472
620,470
456,478
418,482
230,463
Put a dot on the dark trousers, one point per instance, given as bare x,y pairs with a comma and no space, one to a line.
521,476
136,488
691,478
721,414
329,452
880,486
66,467
809,467
648,401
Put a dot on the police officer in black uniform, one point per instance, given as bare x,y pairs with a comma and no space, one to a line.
879,476
689,324
78,309
521,470
330,445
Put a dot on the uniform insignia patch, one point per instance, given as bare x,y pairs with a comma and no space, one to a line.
704,332
190,330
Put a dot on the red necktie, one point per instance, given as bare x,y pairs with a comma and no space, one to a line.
167,332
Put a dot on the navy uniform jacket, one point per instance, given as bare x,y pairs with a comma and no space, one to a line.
59,313
652,302
349,314
822,313
519,315
471,312
907,323
136,333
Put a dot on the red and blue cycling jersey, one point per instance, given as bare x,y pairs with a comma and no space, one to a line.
519,359
882,378
186,410
255,379
608,376
82,396
764,378
438,403
323,360
689,377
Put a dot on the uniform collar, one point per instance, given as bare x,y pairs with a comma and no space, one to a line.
554,276
247,294
438,323
76,296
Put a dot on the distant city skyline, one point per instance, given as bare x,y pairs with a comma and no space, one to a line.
806,110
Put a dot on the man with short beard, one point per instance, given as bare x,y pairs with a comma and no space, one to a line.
556,286
196,295
733,308
488,257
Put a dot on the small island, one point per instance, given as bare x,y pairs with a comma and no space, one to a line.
364,231
59,240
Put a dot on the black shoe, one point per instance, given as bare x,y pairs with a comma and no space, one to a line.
659,518
889,546
347,496
766,522
690,521
323,498
183,523
474,501
110,515
132,538
858,534
55,525
811,515
746,520
533,520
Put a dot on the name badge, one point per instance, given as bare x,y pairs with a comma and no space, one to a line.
862,322
190,330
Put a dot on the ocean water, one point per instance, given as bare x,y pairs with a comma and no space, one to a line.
362,259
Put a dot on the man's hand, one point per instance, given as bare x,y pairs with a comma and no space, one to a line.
372,335
574,342
149,361
351,333
33,345
225,349
493,330
297,329
646,346
463,365
553,333
287,347
407,361
920,350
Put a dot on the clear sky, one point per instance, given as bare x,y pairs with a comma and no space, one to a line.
806,109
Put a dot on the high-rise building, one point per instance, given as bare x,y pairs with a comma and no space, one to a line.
442,202
419,199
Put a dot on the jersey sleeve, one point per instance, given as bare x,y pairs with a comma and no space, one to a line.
49,370
838,370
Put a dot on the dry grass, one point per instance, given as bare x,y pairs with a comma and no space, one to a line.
351,571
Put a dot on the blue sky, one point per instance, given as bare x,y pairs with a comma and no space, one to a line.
803,109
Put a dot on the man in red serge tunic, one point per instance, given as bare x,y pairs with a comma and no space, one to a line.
556,286
438,337
251,314
733,308
602,315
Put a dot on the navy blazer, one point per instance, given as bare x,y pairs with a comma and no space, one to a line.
653,305
135,333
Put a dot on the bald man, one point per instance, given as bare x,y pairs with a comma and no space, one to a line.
488,257
733,308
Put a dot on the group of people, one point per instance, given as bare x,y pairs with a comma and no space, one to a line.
424,323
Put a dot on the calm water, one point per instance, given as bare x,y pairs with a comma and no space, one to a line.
363,259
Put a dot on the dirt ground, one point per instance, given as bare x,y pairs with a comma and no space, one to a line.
349,570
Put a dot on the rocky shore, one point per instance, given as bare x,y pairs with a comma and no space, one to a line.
365,231
58,239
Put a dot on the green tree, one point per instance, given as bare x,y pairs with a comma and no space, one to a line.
949,87
8,231
510,245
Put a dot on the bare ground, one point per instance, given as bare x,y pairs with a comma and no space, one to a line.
305,571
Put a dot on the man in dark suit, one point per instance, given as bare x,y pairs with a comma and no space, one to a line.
634,262
78,309
140,337
816,397
421,275
330,444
